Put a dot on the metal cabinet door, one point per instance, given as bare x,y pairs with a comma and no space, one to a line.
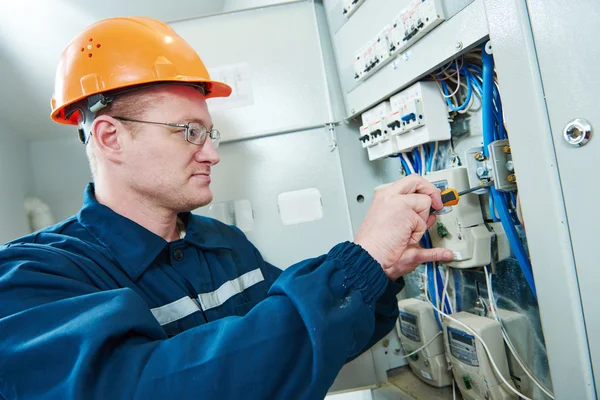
546,62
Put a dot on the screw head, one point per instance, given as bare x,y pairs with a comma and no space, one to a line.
578,132
511,178
459,45
510,166
479,156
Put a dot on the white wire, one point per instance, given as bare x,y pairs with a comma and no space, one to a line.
507,339
445,291
485,347
443,94
422,347
490,295
468,107
435,151
410,166
435,288
457,86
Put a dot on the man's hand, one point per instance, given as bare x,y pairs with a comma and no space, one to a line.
396,221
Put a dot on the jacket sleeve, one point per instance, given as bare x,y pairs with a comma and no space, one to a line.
60,337
386,307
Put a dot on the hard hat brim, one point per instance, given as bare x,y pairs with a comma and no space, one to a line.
215,89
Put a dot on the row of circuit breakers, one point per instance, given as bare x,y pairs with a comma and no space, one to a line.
456,354
411,24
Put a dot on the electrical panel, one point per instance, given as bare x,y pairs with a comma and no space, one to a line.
413,117
471,367
416,327
460,228
407,27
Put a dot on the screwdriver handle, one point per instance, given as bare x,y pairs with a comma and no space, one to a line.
450,197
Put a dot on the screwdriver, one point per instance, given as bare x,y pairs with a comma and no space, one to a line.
450,197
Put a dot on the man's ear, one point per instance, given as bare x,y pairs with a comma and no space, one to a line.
106,134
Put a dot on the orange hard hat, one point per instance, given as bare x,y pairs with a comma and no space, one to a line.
118,53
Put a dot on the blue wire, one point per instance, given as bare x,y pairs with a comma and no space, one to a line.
404,165
416,161
487,101
513,239
440,285
492,209
438,276
431,289
498,198
430,157
498,114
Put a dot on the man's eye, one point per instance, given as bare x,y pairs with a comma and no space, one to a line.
194,133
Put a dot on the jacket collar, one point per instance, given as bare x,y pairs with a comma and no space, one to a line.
134,247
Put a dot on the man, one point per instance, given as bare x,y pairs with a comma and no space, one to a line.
135,297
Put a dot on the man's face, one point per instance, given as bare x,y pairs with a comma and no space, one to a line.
159,164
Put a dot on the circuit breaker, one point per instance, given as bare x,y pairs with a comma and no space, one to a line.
416,327
418,115
415,116
375,134
471,367
407,27
460,228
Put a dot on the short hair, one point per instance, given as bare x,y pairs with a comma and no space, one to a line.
129,104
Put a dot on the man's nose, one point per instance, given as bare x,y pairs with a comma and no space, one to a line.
207,153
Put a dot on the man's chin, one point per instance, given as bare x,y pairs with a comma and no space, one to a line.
202,201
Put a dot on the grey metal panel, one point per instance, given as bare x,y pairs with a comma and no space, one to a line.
360,373
467,27
336,99
569,66
280,44
260,169
542,198
237,5
361,176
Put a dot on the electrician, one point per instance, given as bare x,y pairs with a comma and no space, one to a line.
136,298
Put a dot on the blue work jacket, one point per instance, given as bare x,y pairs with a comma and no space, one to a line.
98,307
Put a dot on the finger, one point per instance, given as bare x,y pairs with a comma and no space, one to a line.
418,255
417,184
431,220
421,204
419,229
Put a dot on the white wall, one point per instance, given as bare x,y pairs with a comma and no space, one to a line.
60,173
15,183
